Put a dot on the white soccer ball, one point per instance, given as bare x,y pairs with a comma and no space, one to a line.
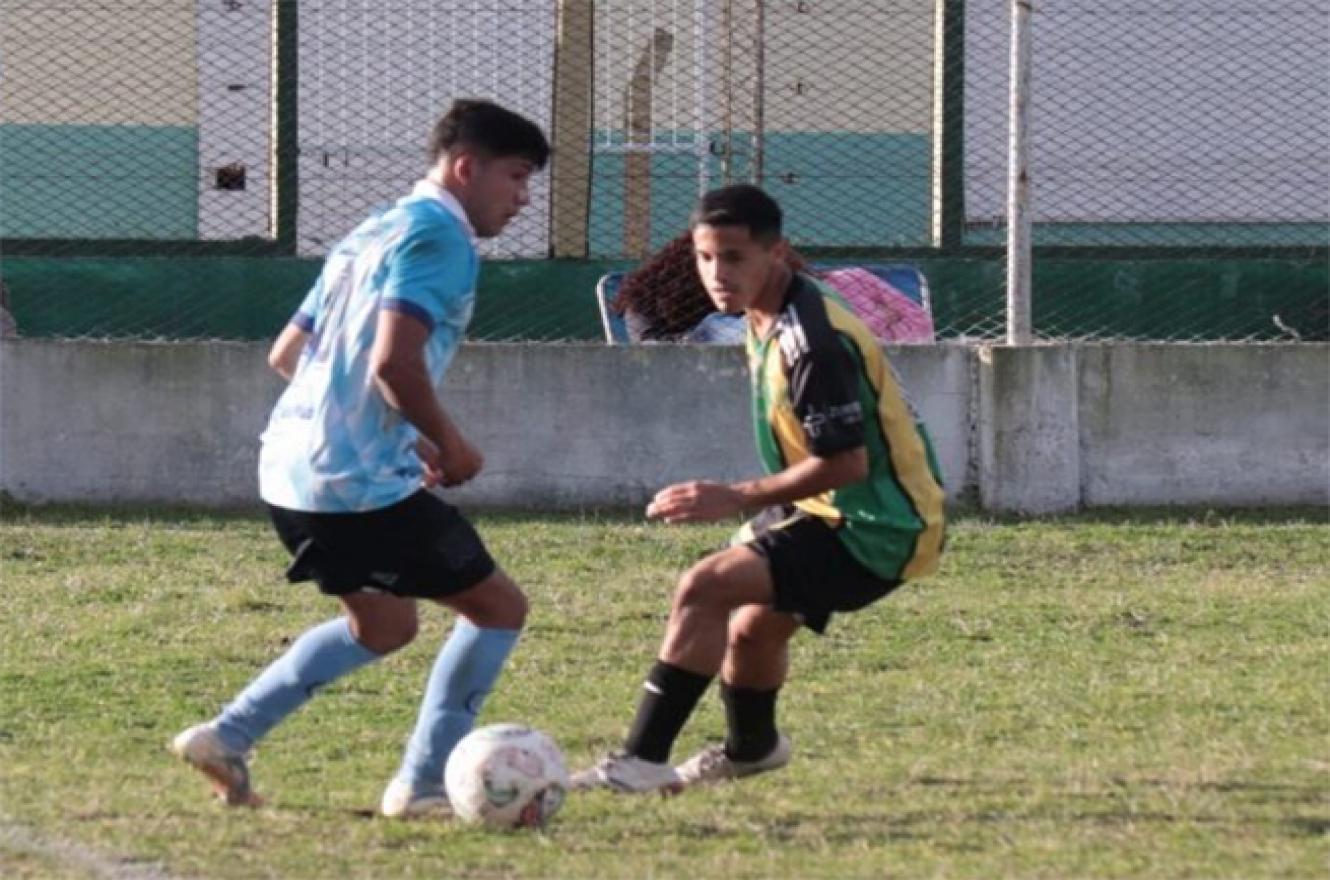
506,776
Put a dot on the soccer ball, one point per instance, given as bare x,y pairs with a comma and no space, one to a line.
506,776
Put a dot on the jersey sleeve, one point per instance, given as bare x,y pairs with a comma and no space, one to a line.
309,307
824,386
428,275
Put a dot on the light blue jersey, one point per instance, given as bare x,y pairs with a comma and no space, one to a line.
333,444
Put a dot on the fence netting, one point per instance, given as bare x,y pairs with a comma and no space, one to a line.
176,169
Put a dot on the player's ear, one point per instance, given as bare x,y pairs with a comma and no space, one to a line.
462,166
781,249
465,169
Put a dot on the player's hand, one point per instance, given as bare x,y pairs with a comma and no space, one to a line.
697,501
432,461
460,463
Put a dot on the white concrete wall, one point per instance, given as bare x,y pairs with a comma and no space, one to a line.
1165,112
235,97
1043,429
374,78
1204,424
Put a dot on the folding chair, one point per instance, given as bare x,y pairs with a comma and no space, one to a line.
902,276
907,279
616,329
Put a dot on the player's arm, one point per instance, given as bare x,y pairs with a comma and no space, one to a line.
397,363
701,501
285,352
284,356
823,387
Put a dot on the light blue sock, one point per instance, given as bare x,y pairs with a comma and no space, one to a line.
321,655
465,671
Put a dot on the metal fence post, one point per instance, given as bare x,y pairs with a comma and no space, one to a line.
1018,179
949,125
286,136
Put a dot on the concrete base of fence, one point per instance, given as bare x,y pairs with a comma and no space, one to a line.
1027,437
1032,430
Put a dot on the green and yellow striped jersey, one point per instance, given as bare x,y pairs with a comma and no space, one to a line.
821,385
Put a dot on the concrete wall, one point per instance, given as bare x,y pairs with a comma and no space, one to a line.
1204,424
1041,429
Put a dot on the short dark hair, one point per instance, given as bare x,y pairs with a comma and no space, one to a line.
739,205
492,130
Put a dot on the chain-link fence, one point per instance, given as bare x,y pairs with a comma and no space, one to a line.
176,169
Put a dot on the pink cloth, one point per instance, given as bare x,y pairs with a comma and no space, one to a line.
890,314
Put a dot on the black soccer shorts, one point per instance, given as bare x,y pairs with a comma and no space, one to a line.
421,547
813,572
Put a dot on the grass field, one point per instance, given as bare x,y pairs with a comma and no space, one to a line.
1119,695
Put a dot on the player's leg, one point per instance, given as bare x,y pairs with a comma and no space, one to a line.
490,619
458,573
757,650
690,656
374,624
756,664
696,635
814,576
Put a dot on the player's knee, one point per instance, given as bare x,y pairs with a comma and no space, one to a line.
696,589
745,633
386,636
497,603
756,629
515,608
504,607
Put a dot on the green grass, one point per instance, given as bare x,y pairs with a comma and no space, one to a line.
1116,695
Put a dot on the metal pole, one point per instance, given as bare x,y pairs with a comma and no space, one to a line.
759,93
1018,179
726,40
949,124
702,144
285,124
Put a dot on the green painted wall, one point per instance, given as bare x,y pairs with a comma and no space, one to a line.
99,181
1157,299
1162,235
251,297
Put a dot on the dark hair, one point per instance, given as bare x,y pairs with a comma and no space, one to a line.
489,129
739,205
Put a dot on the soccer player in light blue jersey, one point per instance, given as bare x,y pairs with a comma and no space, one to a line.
358,438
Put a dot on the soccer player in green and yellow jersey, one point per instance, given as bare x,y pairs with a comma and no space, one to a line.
850,507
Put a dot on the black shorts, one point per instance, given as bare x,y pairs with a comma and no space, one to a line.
420,546
813,572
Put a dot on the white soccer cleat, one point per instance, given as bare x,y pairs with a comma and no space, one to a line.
713,765
628,775
402,801
202,748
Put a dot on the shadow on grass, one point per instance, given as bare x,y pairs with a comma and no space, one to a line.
1260,792
884,827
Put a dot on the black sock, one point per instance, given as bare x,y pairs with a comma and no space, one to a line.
670,695
750,718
